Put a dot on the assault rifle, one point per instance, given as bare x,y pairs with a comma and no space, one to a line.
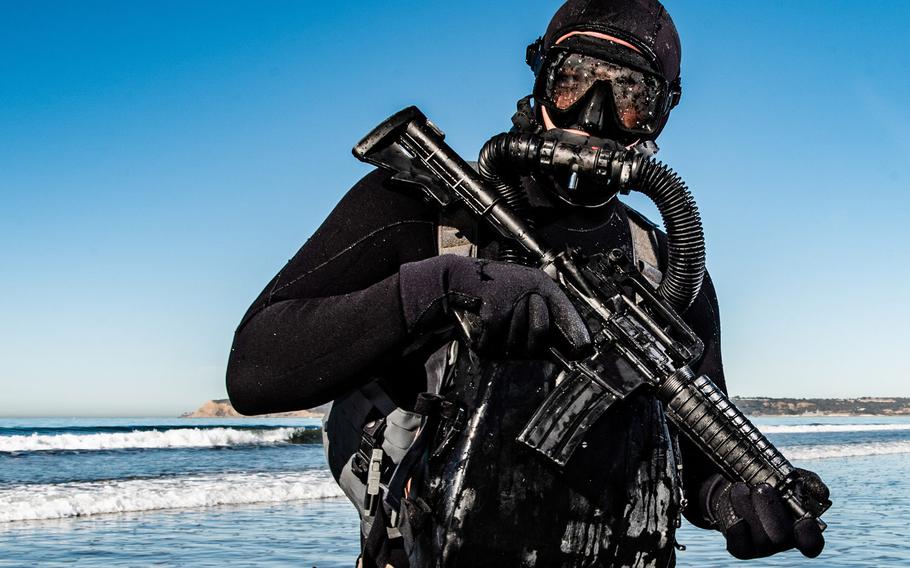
638,339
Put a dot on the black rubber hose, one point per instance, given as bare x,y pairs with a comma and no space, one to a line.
685,237
496,165
507,156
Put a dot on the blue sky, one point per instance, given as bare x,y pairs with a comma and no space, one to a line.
159,161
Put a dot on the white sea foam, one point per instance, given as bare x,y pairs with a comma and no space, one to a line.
845,450
176,438
58,501
815,428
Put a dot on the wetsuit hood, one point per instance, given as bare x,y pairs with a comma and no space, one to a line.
643,23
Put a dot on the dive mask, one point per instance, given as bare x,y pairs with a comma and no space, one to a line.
588,72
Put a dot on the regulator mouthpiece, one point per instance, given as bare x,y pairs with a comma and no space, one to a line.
603,172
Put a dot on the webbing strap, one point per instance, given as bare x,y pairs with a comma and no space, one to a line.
378,397
644,247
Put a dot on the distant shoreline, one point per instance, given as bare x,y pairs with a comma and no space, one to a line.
752,406
844,407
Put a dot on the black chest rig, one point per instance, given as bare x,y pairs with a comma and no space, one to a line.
445,484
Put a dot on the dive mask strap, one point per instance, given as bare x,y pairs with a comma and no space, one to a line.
534,54
675,93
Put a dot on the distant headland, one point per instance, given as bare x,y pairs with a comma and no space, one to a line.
221,408
754,406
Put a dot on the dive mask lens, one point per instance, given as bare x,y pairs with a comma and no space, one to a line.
639,98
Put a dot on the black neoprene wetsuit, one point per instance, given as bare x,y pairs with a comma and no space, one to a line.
331,320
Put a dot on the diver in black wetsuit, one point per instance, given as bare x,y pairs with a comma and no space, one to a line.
358,309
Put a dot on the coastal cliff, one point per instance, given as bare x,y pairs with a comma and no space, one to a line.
221,408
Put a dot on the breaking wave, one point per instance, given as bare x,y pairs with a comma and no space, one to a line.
846,450
59,501
147,439
817,428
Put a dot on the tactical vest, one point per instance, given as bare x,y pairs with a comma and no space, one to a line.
376,450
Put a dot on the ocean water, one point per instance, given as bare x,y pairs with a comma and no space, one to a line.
217,492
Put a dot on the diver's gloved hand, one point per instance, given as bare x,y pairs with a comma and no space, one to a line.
755,520
521,310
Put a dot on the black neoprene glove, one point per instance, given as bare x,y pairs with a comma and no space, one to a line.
521,310
755,520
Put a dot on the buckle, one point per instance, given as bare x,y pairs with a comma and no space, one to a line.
374,471
534,55
370,438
